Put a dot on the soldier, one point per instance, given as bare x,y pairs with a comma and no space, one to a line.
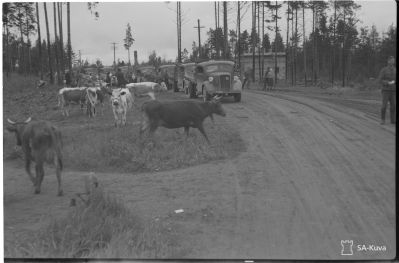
387,78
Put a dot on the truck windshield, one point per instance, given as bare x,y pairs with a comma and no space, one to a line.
220,67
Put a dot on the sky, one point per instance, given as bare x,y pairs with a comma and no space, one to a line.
154,25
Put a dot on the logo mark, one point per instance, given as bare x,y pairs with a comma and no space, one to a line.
347,247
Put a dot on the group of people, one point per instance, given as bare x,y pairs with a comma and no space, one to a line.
122,79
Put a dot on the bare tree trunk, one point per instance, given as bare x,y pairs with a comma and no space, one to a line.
253,39
334,45
57,64
262,38
304,43
21,53
259,62
287,43
292,48
69,37
39,42
28,43
225,29
62,64
239,36
343,53
296,43
48,44
275,51
8,55
216,17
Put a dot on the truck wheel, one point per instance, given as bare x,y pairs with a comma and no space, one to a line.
237,97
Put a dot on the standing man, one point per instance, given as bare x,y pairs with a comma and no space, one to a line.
387,79
121,78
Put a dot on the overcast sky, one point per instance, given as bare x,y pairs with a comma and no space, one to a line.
154,25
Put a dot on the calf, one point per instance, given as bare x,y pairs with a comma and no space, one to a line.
121,101
177,114
41,142
68,96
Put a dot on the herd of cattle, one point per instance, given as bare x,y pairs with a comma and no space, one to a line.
41,141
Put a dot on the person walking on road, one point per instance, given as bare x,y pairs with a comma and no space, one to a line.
387,78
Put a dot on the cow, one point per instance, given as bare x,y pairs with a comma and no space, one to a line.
121,101
41,142
68,96
95,96
177,114
114,81
146,89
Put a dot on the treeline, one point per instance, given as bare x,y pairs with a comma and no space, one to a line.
334,49
24,50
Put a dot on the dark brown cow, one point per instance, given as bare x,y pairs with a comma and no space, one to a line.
41,142
177,114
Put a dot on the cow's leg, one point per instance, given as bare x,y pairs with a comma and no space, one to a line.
58,173
27,168
39,176
201,129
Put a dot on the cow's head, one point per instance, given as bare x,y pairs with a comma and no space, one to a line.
17,128
217,106
118,96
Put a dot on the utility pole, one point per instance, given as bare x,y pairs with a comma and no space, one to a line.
179,32
114,46
199,37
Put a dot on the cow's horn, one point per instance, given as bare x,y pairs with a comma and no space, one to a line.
10,121
28,120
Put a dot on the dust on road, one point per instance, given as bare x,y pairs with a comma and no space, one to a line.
315,173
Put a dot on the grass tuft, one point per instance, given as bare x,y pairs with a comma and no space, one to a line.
104,228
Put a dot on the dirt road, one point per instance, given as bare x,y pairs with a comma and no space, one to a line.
316,172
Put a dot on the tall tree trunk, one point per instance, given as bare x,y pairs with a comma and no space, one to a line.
275,50
39,42
287,43
296,43
62,63
21,48
216,17
8,55
69,37
48,44
262,44
292,47
253,39
225,29
334,45
343,53
239,36
304,43
28,43
56,47
259,43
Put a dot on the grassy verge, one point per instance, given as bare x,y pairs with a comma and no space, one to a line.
96,145
103,228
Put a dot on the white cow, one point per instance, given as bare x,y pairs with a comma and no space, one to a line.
142,89
121,101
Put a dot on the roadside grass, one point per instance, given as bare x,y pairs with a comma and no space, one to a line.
102,228
96,145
